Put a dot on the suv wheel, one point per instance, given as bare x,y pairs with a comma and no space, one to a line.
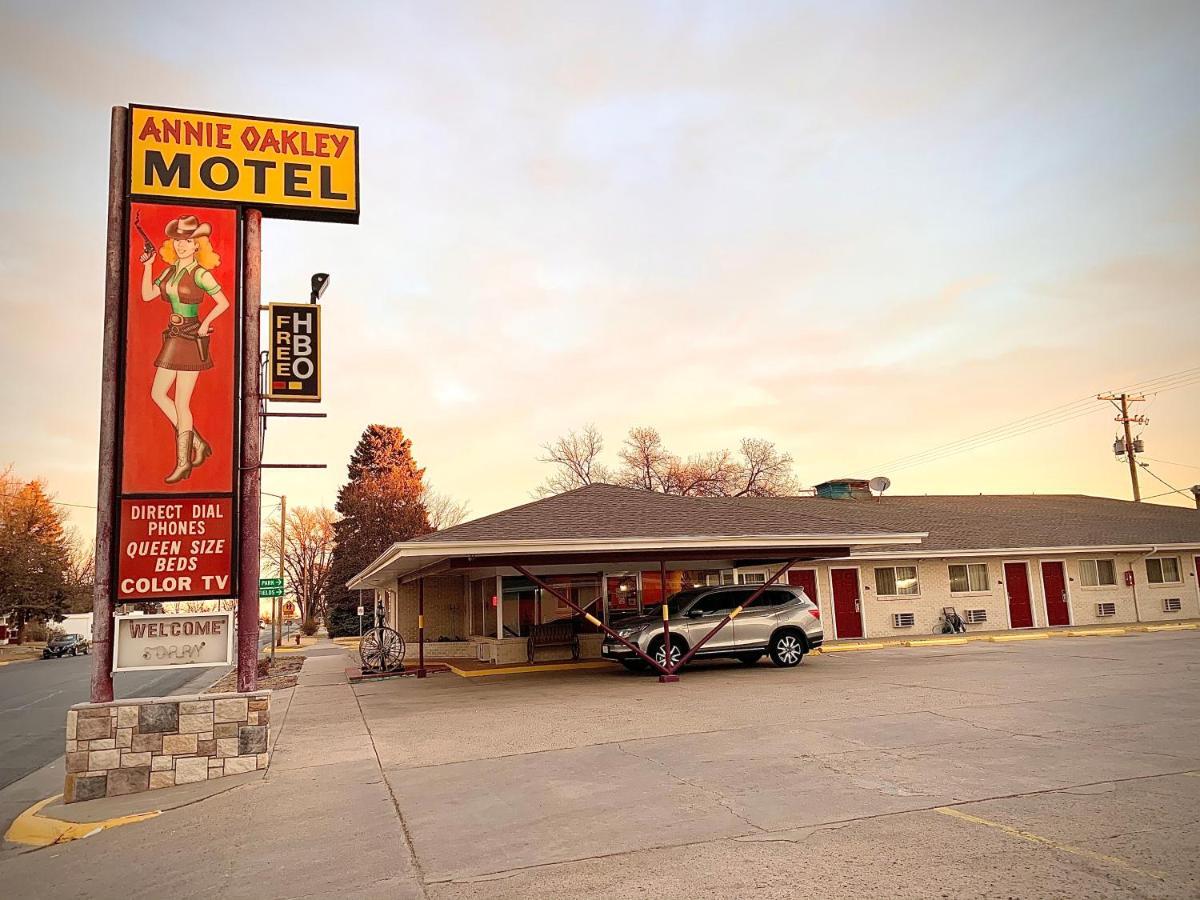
787,649
657,652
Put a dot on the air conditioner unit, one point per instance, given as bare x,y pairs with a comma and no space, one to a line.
904,620
1106,609
976,616
1172,604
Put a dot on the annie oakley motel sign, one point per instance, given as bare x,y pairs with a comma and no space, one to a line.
190,176
291,169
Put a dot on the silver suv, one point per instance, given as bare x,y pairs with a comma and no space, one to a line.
782,622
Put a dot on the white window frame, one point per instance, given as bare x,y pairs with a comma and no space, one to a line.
1162,578
970,590
896,581
1099,585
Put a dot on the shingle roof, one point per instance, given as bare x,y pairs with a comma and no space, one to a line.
967,522
981,522
607,512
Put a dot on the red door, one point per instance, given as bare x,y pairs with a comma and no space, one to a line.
804,578
1020,607
1054,587
847,615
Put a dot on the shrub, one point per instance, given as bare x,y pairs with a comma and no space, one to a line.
264,667
309,627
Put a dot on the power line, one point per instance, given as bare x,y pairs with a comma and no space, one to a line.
1167,462
1167,483
1055,415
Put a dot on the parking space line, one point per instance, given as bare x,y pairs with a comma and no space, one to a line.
1048,842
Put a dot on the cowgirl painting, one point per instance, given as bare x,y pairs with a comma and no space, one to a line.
186,284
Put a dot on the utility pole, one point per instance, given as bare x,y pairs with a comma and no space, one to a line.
1130,449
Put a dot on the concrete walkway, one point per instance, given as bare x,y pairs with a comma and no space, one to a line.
322,823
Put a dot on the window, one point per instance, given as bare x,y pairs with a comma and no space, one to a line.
718,602
896,580
752,578
1163,570
1097,572
971,577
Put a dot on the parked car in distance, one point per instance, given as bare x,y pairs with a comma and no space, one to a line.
66,645
783,622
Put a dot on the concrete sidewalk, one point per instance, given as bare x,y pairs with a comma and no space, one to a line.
322,822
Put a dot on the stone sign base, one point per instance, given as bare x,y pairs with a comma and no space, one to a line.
142,744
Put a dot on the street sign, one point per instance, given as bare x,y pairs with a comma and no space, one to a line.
295,332
295,170
270,592
270,582
362,611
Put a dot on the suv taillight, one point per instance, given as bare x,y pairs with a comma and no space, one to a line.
816,611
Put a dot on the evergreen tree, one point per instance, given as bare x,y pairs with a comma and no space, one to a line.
35,556
381,503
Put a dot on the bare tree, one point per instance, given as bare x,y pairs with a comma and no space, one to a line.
307,553
442,509
645,463
575,457
764,471
759,469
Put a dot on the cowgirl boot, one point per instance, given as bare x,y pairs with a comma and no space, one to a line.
201,449
183,458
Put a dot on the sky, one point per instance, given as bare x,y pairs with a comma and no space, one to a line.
860,230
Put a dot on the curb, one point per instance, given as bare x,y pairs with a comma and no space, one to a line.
33,830
1009,637
528,670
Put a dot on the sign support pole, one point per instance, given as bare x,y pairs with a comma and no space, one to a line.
251,481
277,602
102,605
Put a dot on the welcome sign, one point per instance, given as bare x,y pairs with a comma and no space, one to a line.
285,168
173,641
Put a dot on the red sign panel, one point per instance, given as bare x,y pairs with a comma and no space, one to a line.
180,350
175,547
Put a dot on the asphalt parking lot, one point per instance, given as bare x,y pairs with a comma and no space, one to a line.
1064,767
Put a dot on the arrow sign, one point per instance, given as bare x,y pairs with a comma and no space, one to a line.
270,582
270,592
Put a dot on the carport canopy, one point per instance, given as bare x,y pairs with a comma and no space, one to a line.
603,523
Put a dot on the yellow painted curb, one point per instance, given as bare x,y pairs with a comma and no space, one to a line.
1006,638
843,648
935,642
1094,632
41,831
1183,626
524,670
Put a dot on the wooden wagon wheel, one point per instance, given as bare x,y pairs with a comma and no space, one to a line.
381,650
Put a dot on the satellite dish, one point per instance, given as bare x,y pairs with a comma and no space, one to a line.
879,484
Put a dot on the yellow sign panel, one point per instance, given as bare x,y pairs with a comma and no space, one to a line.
298,170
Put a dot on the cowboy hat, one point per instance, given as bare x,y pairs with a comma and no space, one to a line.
187,228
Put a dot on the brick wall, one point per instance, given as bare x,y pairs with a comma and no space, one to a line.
445,609
137,745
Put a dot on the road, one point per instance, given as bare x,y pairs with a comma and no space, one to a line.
35,697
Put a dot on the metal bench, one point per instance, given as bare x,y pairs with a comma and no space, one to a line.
554,634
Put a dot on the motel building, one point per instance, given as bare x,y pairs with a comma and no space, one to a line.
876,566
